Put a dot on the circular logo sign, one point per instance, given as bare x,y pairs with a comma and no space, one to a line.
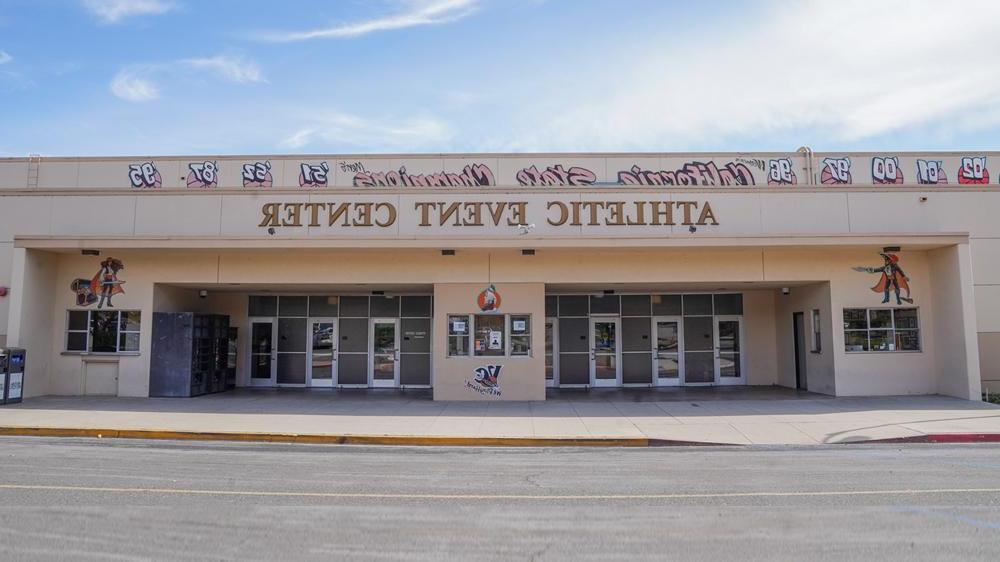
489,299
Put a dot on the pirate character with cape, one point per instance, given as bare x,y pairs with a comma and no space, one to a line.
105,284
893,279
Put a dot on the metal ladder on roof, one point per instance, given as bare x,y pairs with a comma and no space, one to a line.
33,161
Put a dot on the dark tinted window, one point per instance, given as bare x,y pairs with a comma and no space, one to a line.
293,306
354,307
697,305
635,305
573,305
666,305
385,306
607,304
551,305
416,307
77,320
263,306
323,306
729,304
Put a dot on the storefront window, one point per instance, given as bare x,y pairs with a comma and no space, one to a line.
817,339
102,331
520,335
881,329
458,336
489,338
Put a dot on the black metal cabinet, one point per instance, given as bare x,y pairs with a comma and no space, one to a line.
190,354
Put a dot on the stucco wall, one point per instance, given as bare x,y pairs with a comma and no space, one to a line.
521,378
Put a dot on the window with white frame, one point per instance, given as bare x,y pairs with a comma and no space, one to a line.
881,329
817,340
102,331
489,335
520,334
458,335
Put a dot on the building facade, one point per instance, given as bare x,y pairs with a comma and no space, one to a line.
493,276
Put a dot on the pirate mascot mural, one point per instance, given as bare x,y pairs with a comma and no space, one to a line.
893,279
101,287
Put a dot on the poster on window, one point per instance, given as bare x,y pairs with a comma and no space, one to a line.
496,339
518,326
458,327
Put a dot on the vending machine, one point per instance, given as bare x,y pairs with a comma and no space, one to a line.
12,361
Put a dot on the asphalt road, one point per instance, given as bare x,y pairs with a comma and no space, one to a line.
129,500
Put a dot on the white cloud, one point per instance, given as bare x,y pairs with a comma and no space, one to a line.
136,83
129,85
231,68
114,11
846,70
337,129
5,57
419,12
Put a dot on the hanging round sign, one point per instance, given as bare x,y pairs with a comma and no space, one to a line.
489,299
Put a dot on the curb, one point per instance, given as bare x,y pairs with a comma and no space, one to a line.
341,439
438,441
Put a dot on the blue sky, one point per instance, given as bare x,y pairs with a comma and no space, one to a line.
108,77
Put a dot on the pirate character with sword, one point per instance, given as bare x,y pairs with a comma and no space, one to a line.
105,284
893,278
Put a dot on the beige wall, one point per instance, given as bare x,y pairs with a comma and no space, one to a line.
521,378
820,373
819,278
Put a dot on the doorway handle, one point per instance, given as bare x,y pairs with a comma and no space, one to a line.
395,355
593,354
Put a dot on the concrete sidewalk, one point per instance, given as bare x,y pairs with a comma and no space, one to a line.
750,419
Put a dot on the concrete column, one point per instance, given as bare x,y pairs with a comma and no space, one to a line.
31,310
520,378
954,328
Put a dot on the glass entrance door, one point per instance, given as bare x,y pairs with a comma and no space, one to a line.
728,350
605,352
385,352
322,352
668,349
263,355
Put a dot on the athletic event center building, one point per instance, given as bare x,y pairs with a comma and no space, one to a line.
494,276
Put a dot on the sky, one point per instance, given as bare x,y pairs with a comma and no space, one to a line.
216,77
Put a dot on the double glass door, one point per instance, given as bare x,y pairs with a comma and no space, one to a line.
385,352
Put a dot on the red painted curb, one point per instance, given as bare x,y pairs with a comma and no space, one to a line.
939,438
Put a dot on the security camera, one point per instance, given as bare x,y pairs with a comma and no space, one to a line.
202,294
523,229
785,290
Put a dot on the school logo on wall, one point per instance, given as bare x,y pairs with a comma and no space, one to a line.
489,299
893,279
203,174
100,288
257,174
485,380
144,175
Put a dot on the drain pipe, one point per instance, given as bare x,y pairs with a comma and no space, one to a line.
808,155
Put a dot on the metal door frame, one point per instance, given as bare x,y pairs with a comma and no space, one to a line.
273,321
332,381
617,382
371,354
719,379
679,381
555,351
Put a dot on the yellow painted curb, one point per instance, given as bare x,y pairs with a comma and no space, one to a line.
325,439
